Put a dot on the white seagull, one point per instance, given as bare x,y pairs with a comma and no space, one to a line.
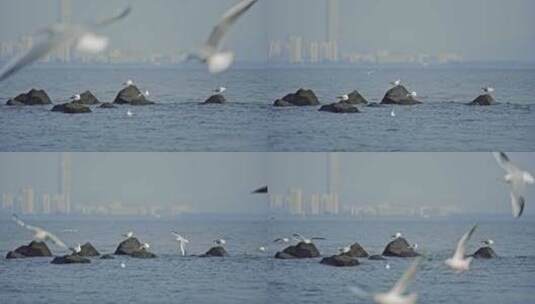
412,94
77,249
303,239
517,179
219,61
345,249
220,242
396,295
128,234
282,240
396,236
396,83
459,262
220,90
76,97
39,233
128,83
61,35
181,242
488,90
144,94
262,249
144,246
344,97
488,242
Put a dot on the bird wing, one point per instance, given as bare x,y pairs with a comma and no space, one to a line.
55,240
176,234
517,202
228,19
22,224
114,19
504,161
459,251
401,284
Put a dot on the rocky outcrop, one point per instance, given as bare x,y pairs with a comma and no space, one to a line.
87,98
400,248
399,95
34,249
484,253
217,251
107,105
300,98
132,247
143,254
356,251
32,98
376,257
70,259
88,250
71,108
300,251
355,98
339,107
131,95
340,261
215,99
483,100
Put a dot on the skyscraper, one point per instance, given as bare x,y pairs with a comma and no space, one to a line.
27,206
332,30
64,53
333,175
65,180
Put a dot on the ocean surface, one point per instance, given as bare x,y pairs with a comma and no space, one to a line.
248,122
250,276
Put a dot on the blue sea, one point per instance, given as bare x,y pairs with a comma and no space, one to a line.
250,276
248,122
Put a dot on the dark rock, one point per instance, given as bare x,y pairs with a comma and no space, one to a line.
340,261
484,253
300,251
71,108
356,251
88,250
400,248
399,95
217,251
107,105
377,257
355,98
483,100
300,98
33,97
284,256
34,249
131,95
87,98
143,254
339,107
107,257
128,246
70,259
215,99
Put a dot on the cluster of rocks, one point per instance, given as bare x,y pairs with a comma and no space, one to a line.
133,248
300,251
40,249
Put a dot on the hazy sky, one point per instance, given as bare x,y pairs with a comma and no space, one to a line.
477,29
221,182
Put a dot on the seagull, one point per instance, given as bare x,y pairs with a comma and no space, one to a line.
458,262
517,179
128,83
146,94
301,238
40,233
488,90
414,246
129,113
220,242
396,236
412,94
393,113
76,97
181,242
396,83
488,242
128,234
344,97
76,249
60,35
345,249
220,90
396,294
144,246
219,61
281,240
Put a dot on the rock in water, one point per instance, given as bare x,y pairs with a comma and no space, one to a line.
128,246
340,261
217,251
355,98
356,251
107,105
88,250
87,98
400,248
339,107
399,95
32,98
300,98
484,253
483,100
70,259
143,254
71,108
107,257
215,99
299,251
377,257
34,249
131,95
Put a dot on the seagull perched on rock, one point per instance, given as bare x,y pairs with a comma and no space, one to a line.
219,61
181,242
396,295
396,83
396,236
128,234
459,262
344,97
59,35
128,83
488,90
77,249
76,97
144,94
144,246
220,242
345,249
220,90
488,242
303,239
517,179
412,94
39,233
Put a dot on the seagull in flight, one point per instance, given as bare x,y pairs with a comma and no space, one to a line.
303,239
396,83
60,35
39,233
459,262
220,90
517,179
220,242
344,97
488,90
396,295
181,242
219,61
488,242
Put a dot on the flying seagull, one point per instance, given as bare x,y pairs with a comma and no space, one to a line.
59,35
39,233
261,190
517,179
396,295
219,61
301,238
181,242
459,262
